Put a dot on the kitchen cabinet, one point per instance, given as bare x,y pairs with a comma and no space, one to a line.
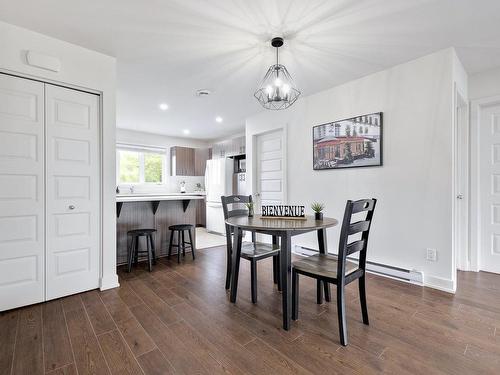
232,147
187,161
201,213
201,155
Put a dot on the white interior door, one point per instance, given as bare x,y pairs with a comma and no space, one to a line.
489,192
22,238
270,169
72,154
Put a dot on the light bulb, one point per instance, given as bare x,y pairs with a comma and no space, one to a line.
269,90
286,88
163,106
277,82
218,119
186,131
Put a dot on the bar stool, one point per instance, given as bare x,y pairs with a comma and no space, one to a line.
133,254
181,242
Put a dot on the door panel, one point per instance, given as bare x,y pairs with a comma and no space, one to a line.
270,169
490,188
72,191
21,192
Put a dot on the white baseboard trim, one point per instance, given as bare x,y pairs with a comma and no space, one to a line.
440,283
408,276
109,282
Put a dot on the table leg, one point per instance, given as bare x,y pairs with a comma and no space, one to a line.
286,275
235,269
323,249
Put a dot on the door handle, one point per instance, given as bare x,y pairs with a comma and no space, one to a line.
71,207
460,196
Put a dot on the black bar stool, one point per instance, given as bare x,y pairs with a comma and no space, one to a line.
181,242
133,253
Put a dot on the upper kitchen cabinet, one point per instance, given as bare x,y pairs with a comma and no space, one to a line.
187,161
201,155
232,147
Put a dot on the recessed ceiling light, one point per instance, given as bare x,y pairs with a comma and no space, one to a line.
186,131
163,106
218,119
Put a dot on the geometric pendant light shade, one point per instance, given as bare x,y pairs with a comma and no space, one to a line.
277,90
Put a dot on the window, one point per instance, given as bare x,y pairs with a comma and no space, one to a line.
136,165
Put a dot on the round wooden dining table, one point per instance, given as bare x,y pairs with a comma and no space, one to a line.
282,229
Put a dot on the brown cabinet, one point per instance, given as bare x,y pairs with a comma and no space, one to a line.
187,161
201,213
201,155
181,161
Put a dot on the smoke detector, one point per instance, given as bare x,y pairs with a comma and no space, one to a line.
201,93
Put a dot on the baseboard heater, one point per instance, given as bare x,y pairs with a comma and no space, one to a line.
409,276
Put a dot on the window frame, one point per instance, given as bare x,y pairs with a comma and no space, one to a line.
141,150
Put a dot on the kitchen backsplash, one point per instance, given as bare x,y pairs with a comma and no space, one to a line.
172,185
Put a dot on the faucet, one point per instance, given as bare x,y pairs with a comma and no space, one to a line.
131,189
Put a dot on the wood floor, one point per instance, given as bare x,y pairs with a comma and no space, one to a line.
178,320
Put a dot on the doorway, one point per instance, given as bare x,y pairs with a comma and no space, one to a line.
270,168
485,186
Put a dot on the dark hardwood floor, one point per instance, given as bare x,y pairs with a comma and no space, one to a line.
178,320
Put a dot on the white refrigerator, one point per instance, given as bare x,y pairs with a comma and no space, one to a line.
218,182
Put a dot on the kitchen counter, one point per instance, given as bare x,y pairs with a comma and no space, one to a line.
158,197
154,210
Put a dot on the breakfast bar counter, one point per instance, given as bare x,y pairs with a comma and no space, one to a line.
157,211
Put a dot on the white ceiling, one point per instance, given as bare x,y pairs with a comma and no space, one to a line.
167,49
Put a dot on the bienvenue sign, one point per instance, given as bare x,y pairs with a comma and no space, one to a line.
283,212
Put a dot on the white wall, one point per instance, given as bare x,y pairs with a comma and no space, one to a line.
484,84
87,70
172,183
414,186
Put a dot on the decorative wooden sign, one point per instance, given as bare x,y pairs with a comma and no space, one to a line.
283,212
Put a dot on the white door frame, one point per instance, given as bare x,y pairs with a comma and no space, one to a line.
475,204
285,160
461,178
100,146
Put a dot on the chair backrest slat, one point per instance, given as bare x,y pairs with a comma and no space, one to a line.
359,226
362,227
355,246
237,212
363,205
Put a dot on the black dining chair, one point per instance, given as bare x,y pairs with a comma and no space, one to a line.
234,205
339,270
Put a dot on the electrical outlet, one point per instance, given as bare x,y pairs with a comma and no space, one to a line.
431,255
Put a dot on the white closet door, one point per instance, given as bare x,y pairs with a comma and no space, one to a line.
72,154
21,192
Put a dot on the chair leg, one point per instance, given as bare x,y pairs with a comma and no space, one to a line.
130,255
319,292
362,299
136,252
295,295
183,244
170,244
275,270
191,242
179,247
228,268
341,314
153,250
328,296
253,276
278,271
150,255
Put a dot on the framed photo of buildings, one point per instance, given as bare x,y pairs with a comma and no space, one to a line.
349,143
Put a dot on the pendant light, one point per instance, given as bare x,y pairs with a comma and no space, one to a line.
277,90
